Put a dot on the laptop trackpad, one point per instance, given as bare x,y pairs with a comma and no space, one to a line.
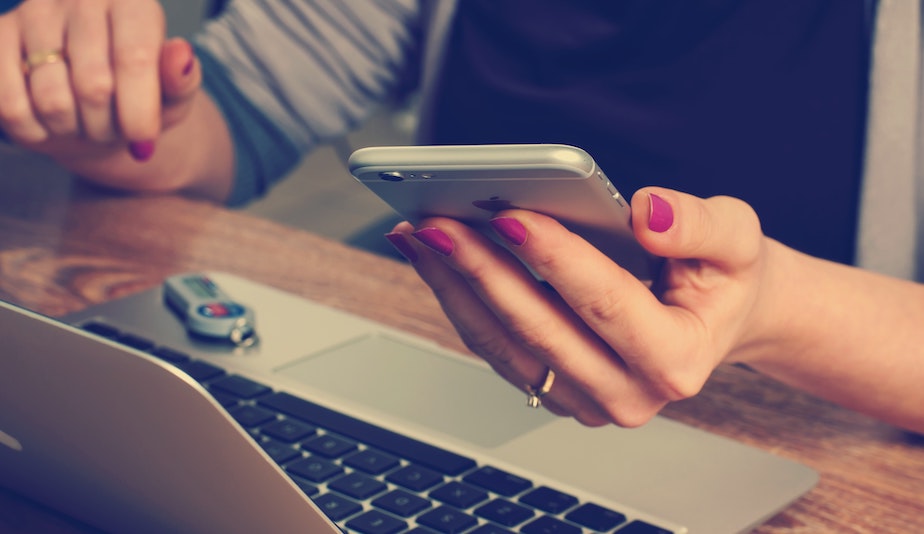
424,387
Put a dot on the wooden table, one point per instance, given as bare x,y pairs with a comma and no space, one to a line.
64,246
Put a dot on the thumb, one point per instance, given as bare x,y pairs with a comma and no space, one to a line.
724,231
181,78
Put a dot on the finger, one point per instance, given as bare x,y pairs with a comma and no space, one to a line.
137,37
89,48
617,307
479,328
16,116
181,78
539,321
48,77
720,230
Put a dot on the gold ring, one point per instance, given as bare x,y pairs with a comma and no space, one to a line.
535,393
37,59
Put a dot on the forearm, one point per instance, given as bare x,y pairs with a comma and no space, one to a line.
195,157
850,336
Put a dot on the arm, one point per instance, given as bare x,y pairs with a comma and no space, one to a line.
282,77
622,350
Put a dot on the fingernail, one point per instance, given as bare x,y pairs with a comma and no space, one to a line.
400,243
141,150
435,239
510,229
189,66
661,215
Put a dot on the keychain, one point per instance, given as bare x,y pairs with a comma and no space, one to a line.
209,312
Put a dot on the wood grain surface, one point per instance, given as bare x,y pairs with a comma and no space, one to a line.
64,246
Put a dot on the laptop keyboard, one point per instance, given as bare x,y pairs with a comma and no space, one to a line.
370,480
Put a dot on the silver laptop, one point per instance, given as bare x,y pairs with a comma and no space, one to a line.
122,420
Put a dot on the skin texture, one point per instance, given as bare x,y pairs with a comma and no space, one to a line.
621,350
124,107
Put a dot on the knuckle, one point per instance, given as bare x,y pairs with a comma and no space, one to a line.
603,307
95,86
677,386
538,335
136,58
14,112
494,348
18,121
590,418
628,418
54,106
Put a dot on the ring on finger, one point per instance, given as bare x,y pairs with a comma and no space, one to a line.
37,59
535,393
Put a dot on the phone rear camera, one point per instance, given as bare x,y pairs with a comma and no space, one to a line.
391,176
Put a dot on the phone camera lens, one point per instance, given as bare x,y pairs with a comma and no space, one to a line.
391,176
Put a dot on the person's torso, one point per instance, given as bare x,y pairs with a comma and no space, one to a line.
759,99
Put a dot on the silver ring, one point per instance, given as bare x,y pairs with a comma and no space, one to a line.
535,393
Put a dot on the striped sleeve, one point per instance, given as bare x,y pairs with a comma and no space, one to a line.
291,74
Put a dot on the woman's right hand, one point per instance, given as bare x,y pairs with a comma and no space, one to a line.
92,78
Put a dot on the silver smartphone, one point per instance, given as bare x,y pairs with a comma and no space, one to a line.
471,183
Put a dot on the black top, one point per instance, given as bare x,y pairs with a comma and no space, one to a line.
764,100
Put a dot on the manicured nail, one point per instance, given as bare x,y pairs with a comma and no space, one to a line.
661,215
400,243
141,150
435,239
189,66
510,229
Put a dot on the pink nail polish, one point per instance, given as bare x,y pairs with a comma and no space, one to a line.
189,66
436,240
141,150
661,215
398,241
510,229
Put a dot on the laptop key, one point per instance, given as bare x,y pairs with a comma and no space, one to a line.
307,488
337,507
358,486
375,522
170,355
201,371
504,512
447,520
329,446
240,387
459,494
488,528
549,500
251,416
371,461
226,400
497,481
415,477
136,342
641,527
596,517
102,329
549,525
314,468
279,452
288,430
401,503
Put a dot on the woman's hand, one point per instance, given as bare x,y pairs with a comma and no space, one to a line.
89,79
619,349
